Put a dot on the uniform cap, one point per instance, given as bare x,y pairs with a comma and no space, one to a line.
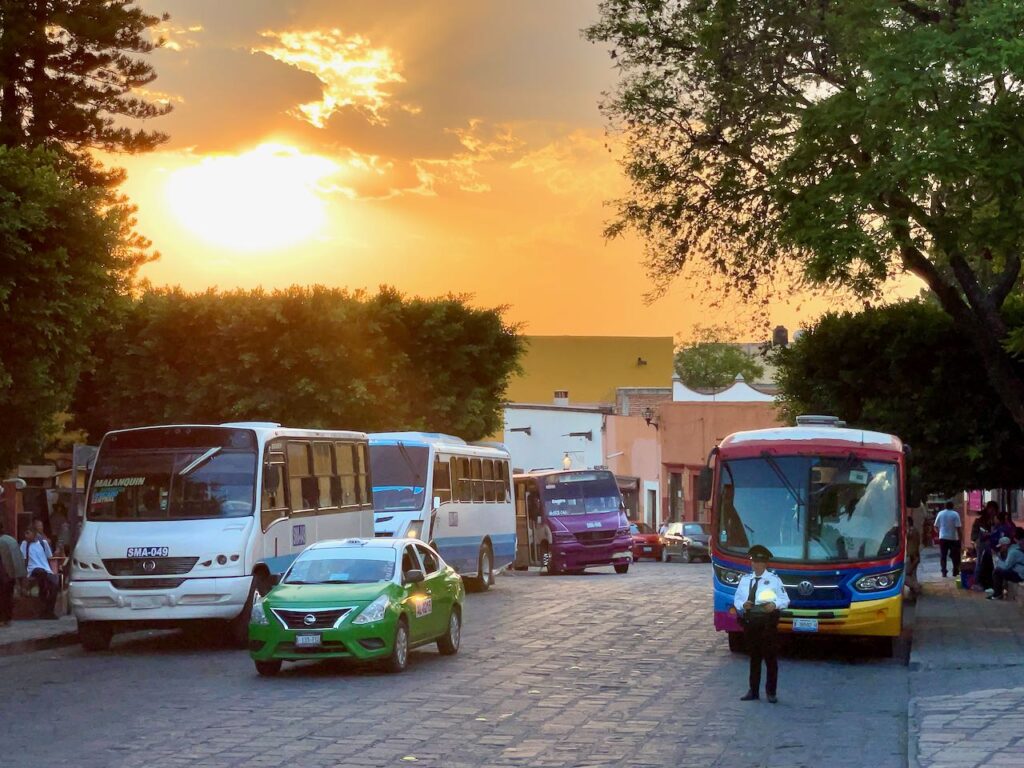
760,553
1004,541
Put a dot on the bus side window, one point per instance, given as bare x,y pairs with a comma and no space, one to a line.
274,503
301,482
506,481
347,465
442,486
478,483
488,474
465,483
362,475
323,470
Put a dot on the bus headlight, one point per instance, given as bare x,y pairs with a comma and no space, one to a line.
413,531
728,576
877,582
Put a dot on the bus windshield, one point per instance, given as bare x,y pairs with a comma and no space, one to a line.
810,508
580,493
178,473
399,475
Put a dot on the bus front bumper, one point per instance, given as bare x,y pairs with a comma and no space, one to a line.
572,555
214,598
872,618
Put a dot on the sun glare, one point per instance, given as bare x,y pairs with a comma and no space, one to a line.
261,200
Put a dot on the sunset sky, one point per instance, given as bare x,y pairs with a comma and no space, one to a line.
435,146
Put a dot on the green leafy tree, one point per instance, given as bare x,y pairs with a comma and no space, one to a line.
854,139
66,255
306,357
909,370
711,361
69,73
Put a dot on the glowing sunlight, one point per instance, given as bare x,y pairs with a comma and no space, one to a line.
263,199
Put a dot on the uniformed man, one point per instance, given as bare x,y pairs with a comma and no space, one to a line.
759,598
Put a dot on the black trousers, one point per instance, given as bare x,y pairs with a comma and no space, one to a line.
47,589
999,579
763,645
949,547
6,597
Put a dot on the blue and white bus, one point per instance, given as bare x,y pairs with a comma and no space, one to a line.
187,522
454,495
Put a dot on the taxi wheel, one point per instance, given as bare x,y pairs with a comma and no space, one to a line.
399,657
268,668
622,567
448,644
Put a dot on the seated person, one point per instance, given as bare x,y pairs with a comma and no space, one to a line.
1008,565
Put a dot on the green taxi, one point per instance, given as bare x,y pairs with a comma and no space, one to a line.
362,599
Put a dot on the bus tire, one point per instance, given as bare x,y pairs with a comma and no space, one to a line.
399,658
237,634
268,668
95,635
736,642
484,569
622,567
448,643
547,561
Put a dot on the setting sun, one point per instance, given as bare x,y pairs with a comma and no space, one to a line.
260,200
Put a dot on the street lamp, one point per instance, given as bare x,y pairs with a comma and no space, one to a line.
649,414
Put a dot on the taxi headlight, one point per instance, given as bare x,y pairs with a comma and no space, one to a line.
877,582
374,611
258,615
728,576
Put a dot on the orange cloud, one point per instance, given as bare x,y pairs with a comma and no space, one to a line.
352,72
177,38
483,143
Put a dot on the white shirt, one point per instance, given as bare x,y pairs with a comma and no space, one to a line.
766,580
948,523
37,555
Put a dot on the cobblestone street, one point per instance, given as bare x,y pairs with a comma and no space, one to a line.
601,669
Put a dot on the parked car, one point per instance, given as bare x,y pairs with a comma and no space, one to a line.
363,599
687,541
647,542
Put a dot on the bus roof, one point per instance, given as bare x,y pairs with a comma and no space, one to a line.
439,442
814,435
263,429
549,472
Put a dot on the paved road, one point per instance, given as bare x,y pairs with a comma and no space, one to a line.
592,670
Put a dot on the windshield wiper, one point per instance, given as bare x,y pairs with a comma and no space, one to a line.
192,466
408,462
785,481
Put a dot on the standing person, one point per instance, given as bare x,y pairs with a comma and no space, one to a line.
948,523
982,551
1008,565
913,557
1003,527
37,554
12,568
759,598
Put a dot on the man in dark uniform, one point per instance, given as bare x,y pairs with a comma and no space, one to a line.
760,597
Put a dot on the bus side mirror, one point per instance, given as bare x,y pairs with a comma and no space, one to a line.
271,477
704,481
437,503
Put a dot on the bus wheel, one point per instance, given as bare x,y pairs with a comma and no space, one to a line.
884,647
237,635
484,569
95,635
622,567
547,562
268,668
736,644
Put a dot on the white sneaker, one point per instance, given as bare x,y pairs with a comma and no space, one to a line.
990,591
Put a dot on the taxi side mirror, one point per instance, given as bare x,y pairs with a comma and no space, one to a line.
413,577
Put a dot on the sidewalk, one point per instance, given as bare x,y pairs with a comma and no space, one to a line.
24,636
966,704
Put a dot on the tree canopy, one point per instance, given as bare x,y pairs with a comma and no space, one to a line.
66,256
856,139
909,370
305,357
70,71
712,361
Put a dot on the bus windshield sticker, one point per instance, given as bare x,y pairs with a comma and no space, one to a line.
858,477
118,482
103,495
453,517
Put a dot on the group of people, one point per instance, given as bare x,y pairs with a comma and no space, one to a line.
999,558
27,562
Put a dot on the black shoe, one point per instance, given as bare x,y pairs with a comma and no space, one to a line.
749,696
772,698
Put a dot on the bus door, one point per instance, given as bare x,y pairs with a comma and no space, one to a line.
523,558
535,525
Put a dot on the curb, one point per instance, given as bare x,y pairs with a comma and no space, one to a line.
18,647
912,734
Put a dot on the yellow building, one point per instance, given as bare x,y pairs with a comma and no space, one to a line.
590,368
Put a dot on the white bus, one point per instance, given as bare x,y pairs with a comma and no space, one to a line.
186,522
453,495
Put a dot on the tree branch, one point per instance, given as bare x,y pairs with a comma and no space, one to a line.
1007,279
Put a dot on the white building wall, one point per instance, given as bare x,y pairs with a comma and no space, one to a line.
548,441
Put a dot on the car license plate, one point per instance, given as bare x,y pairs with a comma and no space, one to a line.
805,625
145,603
307,641
148,551
648,549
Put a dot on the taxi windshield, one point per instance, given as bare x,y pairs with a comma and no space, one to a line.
349,565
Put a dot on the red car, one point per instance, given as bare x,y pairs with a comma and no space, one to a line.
647,542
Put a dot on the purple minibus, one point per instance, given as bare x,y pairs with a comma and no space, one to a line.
570,520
